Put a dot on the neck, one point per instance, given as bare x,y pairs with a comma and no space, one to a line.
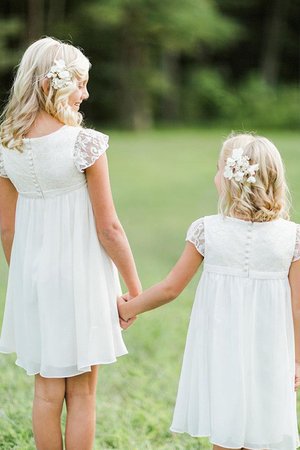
43,124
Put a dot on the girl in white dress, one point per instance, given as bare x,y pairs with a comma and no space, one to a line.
241,365
63,242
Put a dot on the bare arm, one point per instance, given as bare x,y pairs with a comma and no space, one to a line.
109,229
294,279
166,290
8,200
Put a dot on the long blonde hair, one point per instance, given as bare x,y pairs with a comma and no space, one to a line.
27,97
265,200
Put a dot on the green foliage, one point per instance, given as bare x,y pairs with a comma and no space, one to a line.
9,29
267,106
162,181
172,24
252,103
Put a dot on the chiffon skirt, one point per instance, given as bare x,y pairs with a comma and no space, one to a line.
237,379
60,315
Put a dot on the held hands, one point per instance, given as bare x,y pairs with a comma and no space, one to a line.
124,324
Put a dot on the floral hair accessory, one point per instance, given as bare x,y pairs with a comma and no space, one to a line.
59,74
238,167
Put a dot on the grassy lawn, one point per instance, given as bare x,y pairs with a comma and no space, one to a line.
162,181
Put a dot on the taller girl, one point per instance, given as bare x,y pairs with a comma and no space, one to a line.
62,238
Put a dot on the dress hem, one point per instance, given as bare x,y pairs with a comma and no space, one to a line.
85,368
173,430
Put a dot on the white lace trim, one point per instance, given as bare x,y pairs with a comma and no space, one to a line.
195,235
89,146
2,169
297,246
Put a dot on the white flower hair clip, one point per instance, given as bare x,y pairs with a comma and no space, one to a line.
238,167
59,75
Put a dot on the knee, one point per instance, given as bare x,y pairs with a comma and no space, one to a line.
50,390
82,385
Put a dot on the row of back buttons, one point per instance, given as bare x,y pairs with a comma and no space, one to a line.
31,164
248,246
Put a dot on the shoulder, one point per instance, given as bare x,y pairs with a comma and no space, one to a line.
286,225
86,135
206,219
195,235
296,255
2,168
89,146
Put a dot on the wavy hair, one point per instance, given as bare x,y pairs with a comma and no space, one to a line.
27,97
265,200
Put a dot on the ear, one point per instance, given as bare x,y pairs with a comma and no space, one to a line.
46,85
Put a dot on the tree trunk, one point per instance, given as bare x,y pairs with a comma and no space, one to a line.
35,19
273,41
135,102
56,13
170,106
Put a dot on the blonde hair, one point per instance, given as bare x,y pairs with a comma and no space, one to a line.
265,200
27,97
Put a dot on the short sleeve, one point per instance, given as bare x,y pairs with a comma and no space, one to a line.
195,235
2,169
296,256
89,146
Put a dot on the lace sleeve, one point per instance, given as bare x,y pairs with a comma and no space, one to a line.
2,169
89,146
296,256
195,235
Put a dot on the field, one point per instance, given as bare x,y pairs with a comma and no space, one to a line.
162,180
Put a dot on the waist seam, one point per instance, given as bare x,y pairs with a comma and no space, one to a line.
52,193
245,273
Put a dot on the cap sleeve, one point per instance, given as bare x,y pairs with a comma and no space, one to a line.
2,169
195,235
296,256
89,146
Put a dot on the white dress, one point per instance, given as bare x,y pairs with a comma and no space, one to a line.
237,380
60,314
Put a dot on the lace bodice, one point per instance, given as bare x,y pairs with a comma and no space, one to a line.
246,246
53,164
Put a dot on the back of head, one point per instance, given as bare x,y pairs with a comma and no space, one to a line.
266,197
28,96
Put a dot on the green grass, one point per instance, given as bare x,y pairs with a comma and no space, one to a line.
162,181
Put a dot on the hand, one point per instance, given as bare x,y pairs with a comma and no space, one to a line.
124,324
128,296
297,376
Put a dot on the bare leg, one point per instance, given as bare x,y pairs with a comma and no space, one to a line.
81,410
48,400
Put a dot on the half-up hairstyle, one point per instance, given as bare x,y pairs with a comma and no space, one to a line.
268,197
27,97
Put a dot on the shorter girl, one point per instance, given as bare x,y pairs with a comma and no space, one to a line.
241,364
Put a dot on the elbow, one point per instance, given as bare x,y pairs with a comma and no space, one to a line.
109,232
170,291
296,308
7,234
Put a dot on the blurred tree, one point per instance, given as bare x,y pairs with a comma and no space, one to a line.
35,19
150,36
273,40
56,12
168,60
9,29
